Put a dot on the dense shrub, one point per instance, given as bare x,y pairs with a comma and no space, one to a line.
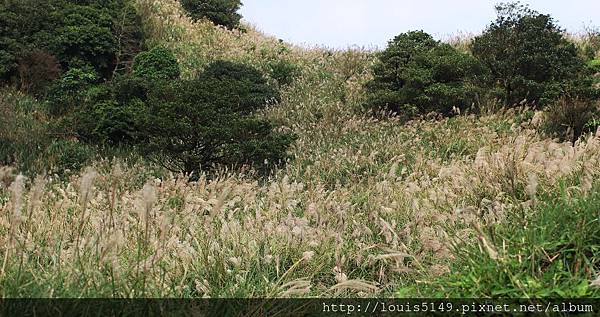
24,132
526,52
114,113
67,93
116,123
234,87
26,25
157,64
85,38
188,132
416,74
594,65
220,12
186,125
100,34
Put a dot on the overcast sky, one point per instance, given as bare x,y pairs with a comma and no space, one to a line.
370,23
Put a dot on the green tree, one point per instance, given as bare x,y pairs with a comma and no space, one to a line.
157,64
220,12
526,53
26,25
235,87
416,74
198,124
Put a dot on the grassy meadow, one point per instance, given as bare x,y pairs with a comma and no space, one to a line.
482,204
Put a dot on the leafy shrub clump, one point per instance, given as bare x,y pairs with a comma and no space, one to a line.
220,12
235,87
156,64
188,133
67,94
24,131
85,38
526,53
26,25
416,74
207,122
185,125
595,65
102,35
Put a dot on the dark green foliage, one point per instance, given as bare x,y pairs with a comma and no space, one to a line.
67,93
117,123
114,113
203,123
220,12
85,38
526,52
186,125
234,87
26,25
284,72
157,64
100,34
417,74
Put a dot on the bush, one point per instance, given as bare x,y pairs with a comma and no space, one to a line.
569,118
84,38
594,65
220,12
189,133
157,64
67,94
234,87
186,125
26,25
24,131
526,52
416,74
114,113
101,34
115,123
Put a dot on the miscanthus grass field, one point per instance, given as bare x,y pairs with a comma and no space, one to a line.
477,205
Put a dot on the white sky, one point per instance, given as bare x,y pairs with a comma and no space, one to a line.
369,23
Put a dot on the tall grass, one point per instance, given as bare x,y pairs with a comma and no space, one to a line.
365,207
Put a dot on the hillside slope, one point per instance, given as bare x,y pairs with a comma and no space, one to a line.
364,207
